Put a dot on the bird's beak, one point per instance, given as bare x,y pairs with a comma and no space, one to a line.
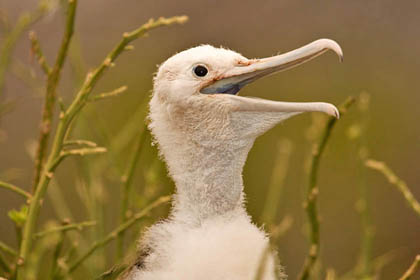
233,80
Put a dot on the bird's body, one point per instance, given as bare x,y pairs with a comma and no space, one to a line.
224,247
204,132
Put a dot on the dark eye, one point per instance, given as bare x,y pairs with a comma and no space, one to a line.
200,71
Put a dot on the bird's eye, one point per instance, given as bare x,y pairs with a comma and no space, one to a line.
200,71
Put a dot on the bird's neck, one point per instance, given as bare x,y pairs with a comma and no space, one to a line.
208,179
205,147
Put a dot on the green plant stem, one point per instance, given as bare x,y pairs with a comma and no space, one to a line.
313,191
4,265
5,248
65,121
412,269
36,49
393,179
112,93
51,93
114,272
127,180
112,235
364,267
92,78
56,255
80,143
82,151
378,263
15,189
64,228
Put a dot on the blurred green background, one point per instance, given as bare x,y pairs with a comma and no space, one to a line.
381,44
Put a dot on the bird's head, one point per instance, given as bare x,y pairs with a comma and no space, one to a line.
196,92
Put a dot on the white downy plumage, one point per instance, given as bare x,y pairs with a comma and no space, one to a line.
204,132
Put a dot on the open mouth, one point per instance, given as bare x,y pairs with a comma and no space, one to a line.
238,77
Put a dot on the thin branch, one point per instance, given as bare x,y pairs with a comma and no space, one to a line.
51,93
36,49
127,180
378,263
93,77
83,151
64,228
364,265
412,269
55,266
5,248
393,179
63,127
122,228
4,265
113,93
80,143
113,272
313,191
73,152
69,255
15,189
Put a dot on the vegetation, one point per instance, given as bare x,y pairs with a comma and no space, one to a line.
65,247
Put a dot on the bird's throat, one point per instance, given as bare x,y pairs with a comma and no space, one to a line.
209,182
205,147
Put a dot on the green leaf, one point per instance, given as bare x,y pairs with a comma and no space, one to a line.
19,217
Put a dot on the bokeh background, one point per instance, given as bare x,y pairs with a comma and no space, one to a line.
381,44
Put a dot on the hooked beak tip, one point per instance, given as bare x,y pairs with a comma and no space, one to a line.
332,45
329,109
336,113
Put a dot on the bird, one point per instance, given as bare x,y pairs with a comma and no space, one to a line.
204,130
